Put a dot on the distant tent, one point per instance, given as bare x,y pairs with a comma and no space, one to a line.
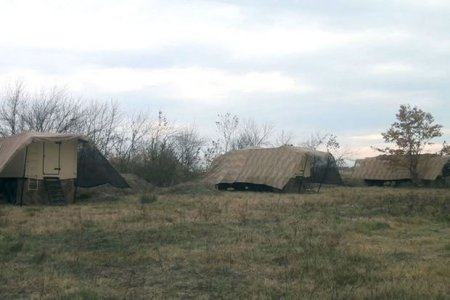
282,169
381,169
38,167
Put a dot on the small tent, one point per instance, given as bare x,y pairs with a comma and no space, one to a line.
282,169
380,169
37,167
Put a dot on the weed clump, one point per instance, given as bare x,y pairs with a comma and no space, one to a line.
148,198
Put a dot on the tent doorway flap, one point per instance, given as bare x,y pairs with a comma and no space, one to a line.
52,158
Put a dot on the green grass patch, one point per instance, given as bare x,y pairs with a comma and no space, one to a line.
148,198
32,211
84,293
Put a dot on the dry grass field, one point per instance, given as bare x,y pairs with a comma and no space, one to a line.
343,243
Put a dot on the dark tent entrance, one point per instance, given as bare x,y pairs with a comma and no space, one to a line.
94,169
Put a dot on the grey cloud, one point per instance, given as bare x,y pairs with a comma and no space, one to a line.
342,75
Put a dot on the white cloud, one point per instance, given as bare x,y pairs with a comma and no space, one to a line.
280,41
365,60
392,99
434,4
137,25
33,79
190,83
367,137
110,25
392,69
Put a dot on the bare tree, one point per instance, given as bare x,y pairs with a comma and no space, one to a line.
445,149
159,161
49,110
328,142
234,135
100,122
11,108
332,144
340,154
52,110
252,134
188,145
131,140
210,153
56,110
284,139
317,139
160,136
154,150
227,125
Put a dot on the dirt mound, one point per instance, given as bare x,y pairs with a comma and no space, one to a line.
107,192
138,184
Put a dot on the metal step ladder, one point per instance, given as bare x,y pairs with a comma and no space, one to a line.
54,191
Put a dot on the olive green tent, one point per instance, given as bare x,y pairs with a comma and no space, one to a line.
283,169
42,167
380,169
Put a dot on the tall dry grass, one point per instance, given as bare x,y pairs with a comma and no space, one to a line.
344,243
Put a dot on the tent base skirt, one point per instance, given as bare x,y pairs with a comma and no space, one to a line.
31,191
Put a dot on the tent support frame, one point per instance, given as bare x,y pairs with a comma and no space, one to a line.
23,177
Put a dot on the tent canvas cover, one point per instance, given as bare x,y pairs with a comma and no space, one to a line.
29,158
280,169
387,168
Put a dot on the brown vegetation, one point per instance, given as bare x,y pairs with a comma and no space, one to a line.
376,243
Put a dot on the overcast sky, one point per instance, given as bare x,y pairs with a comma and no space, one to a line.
331,66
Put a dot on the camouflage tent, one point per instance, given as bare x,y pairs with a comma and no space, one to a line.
391,168
36,167
284,169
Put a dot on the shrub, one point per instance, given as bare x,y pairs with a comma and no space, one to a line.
148,198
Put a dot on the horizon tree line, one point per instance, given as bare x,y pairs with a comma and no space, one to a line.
155,149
